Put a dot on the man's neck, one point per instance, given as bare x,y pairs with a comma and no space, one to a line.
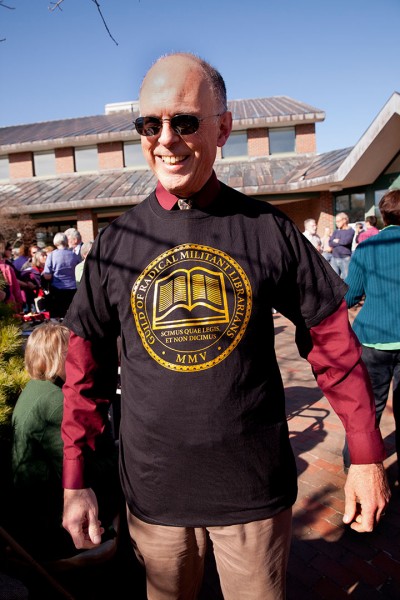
200,199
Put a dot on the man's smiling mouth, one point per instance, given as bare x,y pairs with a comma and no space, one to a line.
172,160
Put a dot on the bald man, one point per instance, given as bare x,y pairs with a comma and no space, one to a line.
188,279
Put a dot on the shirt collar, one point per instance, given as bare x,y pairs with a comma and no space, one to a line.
201,199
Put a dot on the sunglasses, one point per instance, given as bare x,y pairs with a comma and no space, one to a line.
181,124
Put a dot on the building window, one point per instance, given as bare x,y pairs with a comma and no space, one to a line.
4,168
46,231
378,195
235,146
133,155
353,205
342,203
86,159
44,163
282,140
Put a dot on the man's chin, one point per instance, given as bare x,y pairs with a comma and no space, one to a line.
176,186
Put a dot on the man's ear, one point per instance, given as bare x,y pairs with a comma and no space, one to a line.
225,128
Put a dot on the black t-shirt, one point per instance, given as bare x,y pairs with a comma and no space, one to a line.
203,437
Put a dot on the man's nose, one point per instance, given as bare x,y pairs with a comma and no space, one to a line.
167,135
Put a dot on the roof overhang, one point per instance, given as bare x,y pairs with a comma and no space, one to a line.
375,149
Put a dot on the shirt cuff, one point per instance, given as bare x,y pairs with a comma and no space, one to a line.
366,447
73,474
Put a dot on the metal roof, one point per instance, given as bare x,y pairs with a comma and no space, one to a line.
249,112
273,109
125,186
66,128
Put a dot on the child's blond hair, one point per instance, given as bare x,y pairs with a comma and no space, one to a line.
46,350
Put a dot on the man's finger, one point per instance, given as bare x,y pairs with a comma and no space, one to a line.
95,530
77,534
350,510
365,521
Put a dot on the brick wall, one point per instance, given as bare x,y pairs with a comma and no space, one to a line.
65,160
302,210
326,215
86,224
21,165
258,142
319,209
314,208
111,155
305,138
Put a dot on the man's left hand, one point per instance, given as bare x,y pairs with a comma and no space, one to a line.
367,496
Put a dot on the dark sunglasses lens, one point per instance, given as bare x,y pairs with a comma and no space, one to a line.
181,124
185,124
148,125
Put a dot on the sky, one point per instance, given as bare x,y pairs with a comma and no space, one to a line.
339,56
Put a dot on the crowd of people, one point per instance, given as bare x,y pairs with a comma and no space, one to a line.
204,444
337,247
38,279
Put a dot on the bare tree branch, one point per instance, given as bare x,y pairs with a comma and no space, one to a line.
105,24
15,226
9,8
57,4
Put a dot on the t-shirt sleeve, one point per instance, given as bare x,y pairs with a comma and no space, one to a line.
307,288
91,315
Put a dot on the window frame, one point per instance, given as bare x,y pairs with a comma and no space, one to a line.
142,163
79,152
273,131
40,166
243,144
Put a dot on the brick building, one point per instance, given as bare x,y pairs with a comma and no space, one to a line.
84,172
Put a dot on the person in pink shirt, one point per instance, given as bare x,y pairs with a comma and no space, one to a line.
14,295
371,229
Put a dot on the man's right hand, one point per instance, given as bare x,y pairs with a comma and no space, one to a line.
80,518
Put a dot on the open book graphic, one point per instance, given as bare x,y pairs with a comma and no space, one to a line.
190,297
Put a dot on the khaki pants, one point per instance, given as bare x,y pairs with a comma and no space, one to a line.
251,558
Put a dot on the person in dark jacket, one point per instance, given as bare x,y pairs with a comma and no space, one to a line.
341,242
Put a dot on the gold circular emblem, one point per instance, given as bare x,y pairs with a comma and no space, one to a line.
191,307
